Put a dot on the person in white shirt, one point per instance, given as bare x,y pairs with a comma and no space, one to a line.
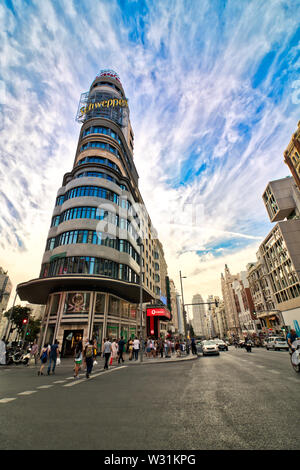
136,348
107,352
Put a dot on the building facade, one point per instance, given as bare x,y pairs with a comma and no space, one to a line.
292,156
232,316
245,305
199,313
5,291
101,243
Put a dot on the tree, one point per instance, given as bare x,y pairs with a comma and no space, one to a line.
17,315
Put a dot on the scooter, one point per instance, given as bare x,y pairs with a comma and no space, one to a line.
20,357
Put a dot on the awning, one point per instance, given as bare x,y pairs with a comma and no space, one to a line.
37,291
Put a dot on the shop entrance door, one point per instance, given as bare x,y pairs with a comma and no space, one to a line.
70,341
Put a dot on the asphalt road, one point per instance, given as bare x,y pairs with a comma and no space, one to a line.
235,401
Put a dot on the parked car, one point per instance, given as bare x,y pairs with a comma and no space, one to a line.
276,343
221,344
209,347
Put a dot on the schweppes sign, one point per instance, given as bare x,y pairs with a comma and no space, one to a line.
111,103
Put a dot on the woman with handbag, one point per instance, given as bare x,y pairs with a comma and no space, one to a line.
44,358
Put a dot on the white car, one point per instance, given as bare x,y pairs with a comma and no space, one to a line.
276,343
221,344
209,347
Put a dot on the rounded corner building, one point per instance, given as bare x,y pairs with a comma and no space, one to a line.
90,273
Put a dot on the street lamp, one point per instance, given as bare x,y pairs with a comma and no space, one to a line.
140,244
183,309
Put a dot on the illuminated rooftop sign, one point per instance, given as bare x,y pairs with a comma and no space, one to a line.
109,73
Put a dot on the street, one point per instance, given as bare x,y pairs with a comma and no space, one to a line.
235,401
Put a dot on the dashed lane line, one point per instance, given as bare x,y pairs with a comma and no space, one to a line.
44,386
7,400
28,392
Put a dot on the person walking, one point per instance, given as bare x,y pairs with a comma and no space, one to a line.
53,355
121,345
44,358
89,357
130,349
78,358
136,348
34,350
106,352
114,351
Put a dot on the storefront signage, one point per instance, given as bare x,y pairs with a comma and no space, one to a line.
123,103
158,312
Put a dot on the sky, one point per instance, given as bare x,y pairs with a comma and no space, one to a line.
213,89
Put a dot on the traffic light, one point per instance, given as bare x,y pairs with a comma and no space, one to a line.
25,321
216,303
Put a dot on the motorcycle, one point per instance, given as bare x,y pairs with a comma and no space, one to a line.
248,347
17,356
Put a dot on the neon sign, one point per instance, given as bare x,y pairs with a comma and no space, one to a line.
104,104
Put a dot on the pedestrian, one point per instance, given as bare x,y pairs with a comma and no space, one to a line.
78,358
177,348
94,351
160,347
130,349
44,358
194,349
53,355
34,350
114,351
106,352
148,350
2,352
136,348
121,345
89,357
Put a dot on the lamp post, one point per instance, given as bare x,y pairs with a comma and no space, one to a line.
140,244
183,309
9,319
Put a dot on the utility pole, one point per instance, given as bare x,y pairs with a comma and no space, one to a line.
183,306
140,244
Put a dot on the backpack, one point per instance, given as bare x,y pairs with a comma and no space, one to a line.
89,351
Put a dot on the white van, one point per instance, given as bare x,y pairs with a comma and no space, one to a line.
276,343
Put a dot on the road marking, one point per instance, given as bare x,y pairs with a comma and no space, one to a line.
45,386
79,381
28,392
7,400
262,367
274,371
59,382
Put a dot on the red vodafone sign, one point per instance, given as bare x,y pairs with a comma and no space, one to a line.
158,312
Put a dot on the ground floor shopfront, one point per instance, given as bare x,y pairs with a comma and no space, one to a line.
72,316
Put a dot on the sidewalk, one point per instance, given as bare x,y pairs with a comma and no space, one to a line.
160,360
68,362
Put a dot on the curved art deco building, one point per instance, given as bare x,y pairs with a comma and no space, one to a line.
89,278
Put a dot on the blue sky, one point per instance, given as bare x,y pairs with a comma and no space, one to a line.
214,93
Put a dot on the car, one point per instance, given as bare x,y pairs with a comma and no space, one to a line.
209,347
221,344
276,343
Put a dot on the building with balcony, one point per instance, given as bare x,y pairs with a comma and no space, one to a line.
292,156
